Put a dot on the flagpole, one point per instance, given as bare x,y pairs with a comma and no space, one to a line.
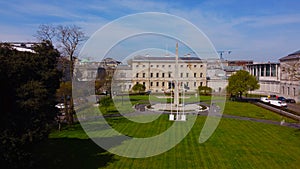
176,94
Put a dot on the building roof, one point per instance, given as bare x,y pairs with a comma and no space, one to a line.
263,63
124,67
292,56
295,53
165,58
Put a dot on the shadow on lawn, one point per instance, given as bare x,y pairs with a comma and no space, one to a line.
70,153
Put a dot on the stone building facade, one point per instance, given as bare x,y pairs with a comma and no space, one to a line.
157,74
268,76
290,76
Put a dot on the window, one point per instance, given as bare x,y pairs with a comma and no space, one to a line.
144,66
122,75
157,83
151,75
187,74
171,85
163,84
201,83
151,66
268,70
144,83
137,82
144,74
262,72
169,74
273,70
195,84
151,83
181,65
137,66
181,74
294,91
201,65
195,74
195,65
288,90
157,65
163,74
163,66
282,89
169,65
201,74
137,75
157,74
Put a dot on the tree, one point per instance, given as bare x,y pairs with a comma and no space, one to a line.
241,82
139,88
204,90
67,38
64,92
27,103
46,33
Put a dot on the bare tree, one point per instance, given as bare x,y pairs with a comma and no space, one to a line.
46,33
67,39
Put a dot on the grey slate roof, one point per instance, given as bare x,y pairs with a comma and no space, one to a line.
295,55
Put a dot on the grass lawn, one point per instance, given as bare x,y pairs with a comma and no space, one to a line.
245,109
125,103
235,144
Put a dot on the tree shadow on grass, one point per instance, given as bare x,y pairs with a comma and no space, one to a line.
70,153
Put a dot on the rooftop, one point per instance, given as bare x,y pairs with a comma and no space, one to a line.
165,58
292,56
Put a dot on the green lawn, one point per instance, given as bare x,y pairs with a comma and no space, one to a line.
125,103
245,109
235,144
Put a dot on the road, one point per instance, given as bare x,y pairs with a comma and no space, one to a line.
277,110
294,107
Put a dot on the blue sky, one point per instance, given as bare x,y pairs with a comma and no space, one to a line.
253,29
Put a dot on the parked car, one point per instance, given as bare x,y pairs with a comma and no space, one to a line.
278,103
61,106
264,99
290,101
272,96
281,98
